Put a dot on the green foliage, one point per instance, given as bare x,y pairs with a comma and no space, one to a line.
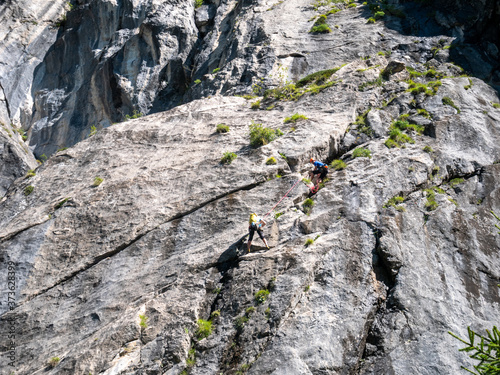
430,203
428,149
31,173
261,295
97,181
378,15
397,137
61,149
61,203
278,214
429,88
198,3
307,206
361,152
221,128
308,242
239,323
448,101
351,5
135,114
378,82
338,165
216,70
28,190
228,157
498,218
363,127
486,350
204,328
249,311
455,182
93,131
394,202
191,359
306,181
469,85
496,105
215,314
260,135
283,156
321,29
144,321
271,160
294,118
255,105
317,78
320,26
216,291
197,81
371,20
422,112
306,289
54,361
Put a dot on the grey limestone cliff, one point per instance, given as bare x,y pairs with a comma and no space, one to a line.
121,244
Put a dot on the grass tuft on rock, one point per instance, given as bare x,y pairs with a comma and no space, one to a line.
448,101
361,152
260,135
221,128
204,329
338,165
271,160
261,296
294,118
228,158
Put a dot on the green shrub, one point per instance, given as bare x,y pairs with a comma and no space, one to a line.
308,205
255,105
338,165
455,182
294,118
135,114
308,242
378,15
215,314
221,128
361,152
228,157
198,3
429,88
496,105
260,135
371,20
352,5
261,295
431,203
144,321
191,359
428,149
278,214
320,26
61,203
97,181
204,328
31,173
469,85
448,101
197,81
216,70
486,350
317,78
54,361
424,113
28,190
283,156
93,131
321,29
249,311
271,160
394,202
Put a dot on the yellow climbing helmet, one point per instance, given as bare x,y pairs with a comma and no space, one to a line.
253,218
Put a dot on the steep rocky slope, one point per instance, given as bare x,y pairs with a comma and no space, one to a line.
123,242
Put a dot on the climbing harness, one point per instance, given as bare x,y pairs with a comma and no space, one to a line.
284,196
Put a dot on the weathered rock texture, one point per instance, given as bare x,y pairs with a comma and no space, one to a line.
123,242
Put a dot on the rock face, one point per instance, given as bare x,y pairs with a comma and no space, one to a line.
124,245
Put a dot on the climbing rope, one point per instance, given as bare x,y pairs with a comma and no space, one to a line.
284,196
